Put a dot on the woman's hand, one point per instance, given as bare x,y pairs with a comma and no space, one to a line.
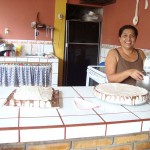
136,74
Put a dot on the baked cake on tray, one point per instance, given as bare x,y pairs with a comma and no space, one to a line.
31,96
119,93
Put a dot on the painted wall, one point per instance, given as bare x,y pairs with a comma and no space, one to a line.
122,12
17,15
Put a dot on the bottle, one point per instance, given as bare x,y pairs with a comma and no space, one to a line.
18,50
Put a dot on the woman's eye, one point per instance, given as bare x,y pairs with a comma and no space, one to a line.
124,36
131,36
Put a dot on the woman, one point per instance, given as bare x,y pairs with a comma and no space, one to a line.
125,64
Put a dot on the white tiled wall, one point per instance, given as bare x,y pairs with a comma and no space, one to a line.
33,47
104,51
106,47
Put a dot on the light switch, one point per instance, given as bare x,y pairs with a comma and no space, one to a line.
6,30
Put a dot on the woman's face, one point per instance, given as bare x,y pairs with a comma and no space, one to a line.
127,39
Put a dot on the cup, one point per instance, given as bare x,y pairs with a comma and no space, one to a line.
145,83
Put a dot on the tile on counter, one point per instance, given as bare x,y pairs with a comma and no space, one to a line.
123,128
82,120
38,112
125,117
5,91
33,59
10,59
21,59
85,131
8,122
67,92
53,59
9,112
40,121
143,114
146,126
122,123
84,92
42,59
72,108
106,107
144,107
46,134
9,136
2,102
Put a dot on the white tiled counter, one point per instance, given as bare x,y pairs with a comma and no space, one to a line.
52,60
68,122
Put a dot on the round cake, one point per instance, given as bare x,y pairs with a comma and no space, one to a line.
119,93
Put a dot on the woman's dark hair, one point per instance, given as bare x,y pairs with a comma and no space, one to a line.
128,27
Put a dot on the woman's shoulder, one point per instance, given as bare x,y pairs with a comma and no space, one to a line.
142,54
114,52
139,50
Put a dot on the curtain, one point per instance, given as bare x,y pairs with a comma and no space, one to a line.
19,74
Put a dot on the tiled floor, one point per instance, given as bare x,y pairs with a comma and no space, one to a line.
37,124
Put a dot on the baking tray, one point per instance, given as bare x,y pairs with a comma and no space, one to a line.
54,102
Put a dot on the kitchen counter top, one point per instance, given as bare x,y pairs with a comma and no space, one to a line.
67,122
6,59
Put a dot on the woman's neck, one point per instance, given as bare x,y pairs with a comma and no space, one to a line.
129,51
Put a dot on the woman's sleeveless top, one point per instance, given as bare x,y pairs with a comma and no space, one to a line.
125,65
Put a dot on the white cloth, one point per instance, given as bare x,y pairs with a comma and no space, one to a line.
83,104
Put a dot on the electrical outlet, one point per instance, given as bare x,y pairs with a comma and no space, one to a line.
6,31
60,16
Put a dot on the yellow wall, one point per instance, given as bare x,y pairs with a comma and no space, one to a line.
59,34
